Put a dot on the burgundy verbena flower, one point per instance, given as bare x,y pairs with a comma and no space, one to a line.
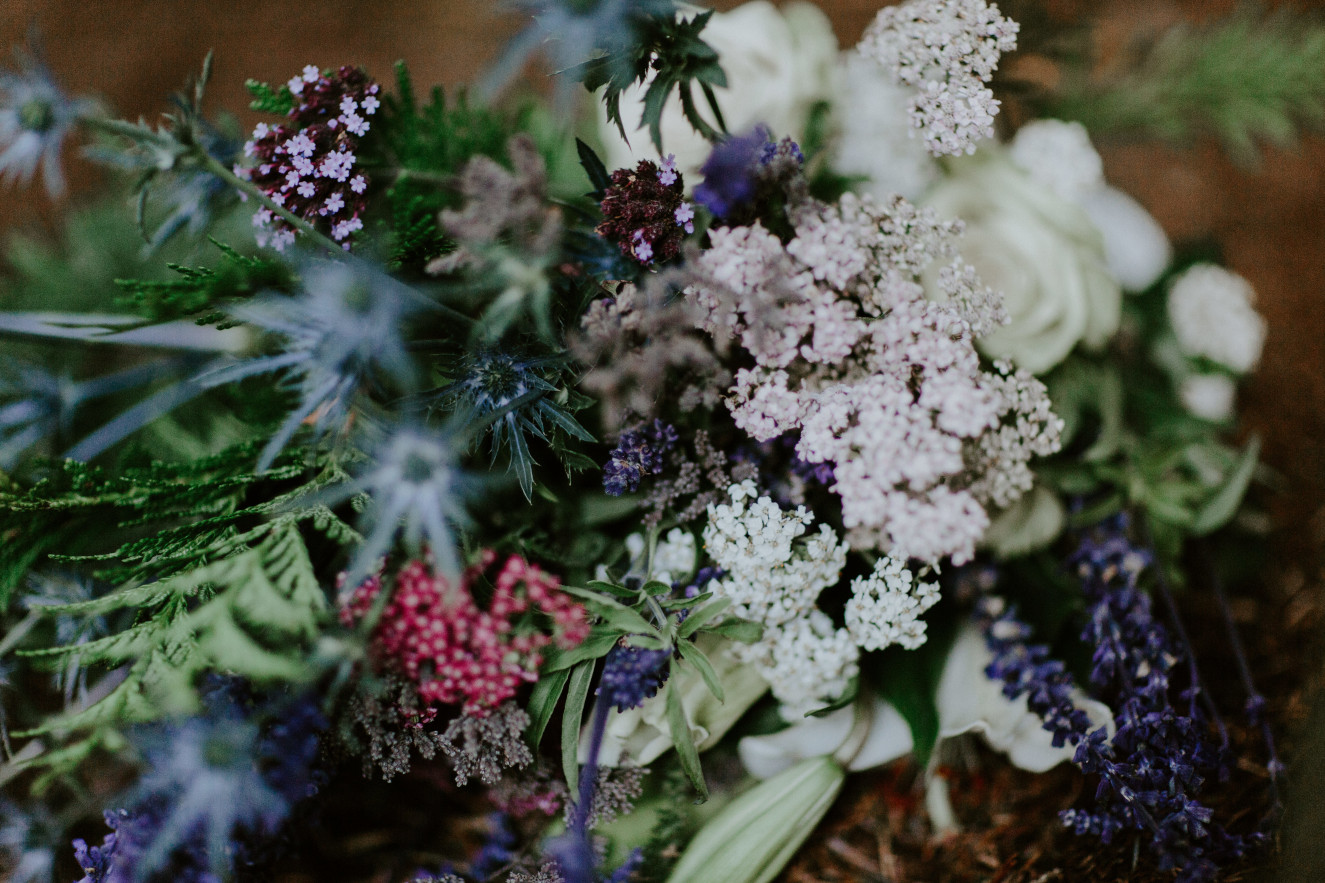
306,165
644,212
458,653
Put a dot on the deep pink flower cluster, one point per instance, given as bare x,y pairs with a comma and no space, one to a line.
644,212
457,653
307,166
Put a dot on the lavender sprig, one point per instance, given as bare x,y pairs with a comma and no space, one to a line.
1153,767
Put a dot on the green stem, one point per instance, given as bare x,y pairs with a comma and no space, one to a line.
218,168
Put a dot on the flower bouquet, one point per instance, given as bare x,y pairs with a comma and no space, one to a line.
592,485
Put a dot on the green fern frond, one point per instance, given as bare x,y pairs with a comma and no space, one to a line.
1252,77
258,612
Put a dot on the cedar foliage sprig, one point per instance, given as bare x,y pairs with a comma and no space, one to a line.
1251,77
204,290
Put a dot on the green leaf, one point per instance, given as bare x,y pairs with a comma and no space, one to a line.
693,655
594,168
572,719
742,630
612,588
909,679
698,618
848,696
681,738
615,613
543,702
596,645
1221,508
656,587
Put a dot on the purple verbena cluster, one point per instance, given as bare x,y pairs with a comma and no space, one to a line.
639,452
1151,770
631,675
645,214
306,166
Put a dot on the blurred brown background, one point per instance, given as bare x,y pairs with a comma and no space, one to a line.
1270,220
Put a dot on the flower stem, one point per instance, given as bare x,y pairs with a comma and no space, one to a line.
1165,590
219,169
1255,701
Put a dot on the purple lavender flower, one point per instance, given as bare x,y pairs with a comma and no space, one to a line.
703,577
1159,757
631,675
639,452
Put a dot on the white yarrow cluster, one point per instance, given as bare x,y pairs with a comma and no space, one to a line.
886,606
774,575
1212,316
947,50
807,662
876,379
771,576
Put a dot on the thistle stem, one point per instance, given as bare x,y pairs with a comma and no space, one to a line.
219,169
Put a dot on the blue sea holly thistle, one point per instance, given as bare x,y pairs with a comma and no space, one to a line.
512,398
342,341
36,117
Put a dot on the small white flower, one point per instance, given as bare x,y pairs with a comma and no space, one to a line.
1208,396
1212,316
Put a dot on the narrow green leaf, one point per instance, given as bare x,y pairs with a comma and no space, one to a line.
693,655
1221,508
848,696
614,612
697,618
593,167
742,630
656,587
612,588
543,701
685,744
601,639
572,718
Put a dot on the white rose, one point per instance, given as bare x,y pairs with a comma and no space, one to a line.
1059,155
778,65
1040,251
1211,312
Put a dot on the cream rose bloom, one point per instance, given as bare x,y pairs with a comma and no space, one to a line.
779,63
1040,251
